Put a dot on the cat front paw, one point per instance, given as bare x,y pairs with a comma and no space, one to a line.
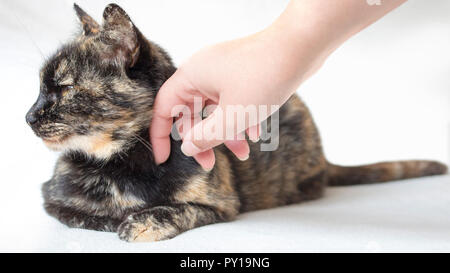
143,227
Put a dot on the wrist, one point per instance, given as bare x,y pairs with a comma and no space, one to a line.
309,27
299,50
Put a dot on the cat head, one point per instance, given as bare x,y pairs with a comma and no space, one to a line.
97,91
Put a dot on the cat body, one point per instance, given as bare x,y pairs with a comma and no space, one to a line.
95,105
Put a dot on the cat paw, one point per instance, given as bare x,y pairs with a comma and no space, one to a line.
142,228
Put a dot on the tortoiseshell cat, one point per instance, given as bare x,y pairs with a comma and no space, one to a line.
95,105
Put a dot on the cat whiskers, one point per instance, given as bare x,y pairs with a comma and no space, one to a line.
121,154
144,142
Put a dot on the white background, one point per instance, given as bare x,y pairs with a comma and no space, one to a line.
384,95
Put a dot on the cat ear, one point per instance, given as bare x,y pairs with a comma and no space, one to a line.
119,30
89,24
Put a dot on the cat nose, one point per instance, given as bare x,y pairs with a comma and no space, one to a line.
31,117
36,110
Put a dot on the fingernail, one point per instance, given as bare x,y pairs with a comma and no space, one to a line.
244,157
254,140
188,148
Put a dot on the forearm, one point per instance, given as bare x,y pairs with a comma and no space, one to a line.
329,23
310,30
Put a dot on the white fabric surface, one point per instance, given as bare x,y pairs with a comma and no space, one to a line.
410,215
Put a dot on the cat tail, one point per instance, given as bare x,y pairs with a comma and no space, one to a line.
382,172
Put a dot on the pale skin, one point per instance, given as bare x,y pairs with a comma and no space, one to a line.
265,68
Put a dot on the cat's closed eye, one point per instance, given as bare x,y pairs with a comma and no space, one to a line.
60,92
66,88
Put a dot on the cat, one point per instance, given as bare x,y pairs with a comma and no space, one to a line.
95,105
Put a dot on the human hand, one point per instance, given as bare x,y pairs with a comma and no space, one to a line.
255,70
263,69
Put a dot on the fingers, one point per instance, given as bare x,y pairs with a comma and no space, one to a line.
203,136
162,119
254,133
206,159
239,148
198,138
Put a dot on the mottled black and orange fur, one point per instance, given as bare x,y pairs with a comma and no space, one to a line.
95,105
